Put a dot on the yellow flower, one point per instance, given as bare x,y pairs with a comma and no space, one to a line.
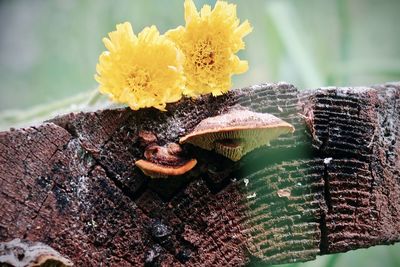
209,41
141,71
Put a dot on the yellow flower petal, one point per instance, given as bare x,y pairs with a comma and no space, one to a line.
190,11
205,11
142,71
209,42
241,66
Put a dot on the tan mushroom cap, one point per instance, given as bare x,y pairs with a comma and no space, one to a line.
155,170
33,254
237,132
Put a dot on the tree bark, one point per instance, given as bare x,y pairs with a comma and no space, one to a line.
331,186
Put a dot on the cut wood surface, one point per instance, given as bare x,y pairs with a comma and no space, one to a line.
331,186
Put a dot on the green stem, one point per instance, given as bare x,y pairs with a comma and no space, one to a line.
95,97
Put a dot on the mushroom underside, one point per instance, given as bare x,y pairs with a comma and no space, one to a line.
235,144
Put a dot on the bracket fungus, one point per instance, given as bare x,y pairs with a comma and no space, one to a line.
163,161
237,132
32,254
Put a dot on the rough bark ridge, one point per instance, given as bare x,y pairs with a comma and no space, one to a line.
332,186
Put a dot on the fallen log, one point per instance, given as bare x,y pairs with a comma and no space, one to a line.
331,186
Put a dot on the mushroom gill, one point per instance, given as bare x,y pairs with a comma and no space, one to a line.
237,132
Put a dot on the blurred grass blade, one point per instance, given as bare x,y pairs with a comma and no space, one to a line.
345,37
79,102
284,18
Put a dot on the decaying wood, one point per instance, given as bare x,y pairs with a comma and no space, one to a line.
332,186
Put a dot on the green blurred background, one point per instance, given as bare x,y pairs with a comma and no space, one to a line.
49,49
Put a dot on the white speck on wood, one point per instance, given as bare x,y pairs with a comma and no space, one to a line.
252,196
284,193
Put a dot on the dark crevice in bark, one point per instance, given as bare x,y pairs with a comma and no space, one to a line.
133,196
327,194
324,243
71,129
66,126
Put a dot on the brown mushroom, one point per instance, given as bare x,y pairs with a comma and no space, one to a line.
147,138
237,132
163,161
32,254
160,171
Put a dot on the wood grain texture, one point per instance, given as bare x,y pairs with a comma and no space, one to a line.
331,186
